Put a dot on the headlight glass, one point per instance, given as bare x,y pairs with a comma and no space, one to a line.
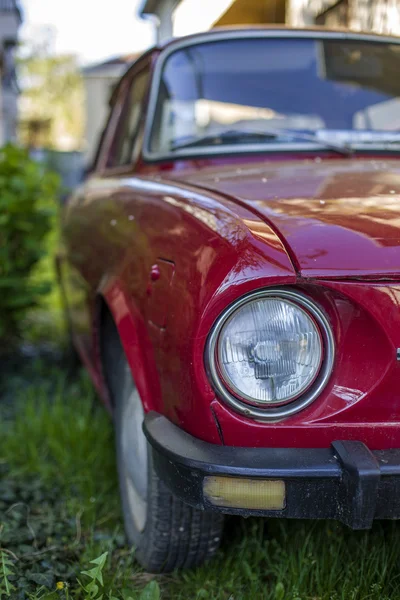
269,351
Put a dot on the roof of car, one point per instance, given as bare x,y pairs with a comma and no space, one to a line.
242,32
287,31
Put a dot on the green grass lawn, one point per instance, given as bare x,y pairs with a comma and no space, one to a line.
59,509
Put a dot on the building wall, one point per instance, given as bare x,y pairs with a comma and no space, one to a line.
253,12
379,16
9,112
301,13
9,26
192,16
98,89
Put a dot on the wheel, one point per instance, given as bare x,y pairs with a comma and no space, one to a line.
166,533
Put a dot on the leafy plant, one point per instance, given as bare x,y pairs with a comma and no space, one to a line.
94,588
95,576
52,91
6,571
27,203
150,592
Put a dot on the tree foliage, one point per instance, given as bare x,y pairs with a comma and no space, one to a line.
52,99
27,201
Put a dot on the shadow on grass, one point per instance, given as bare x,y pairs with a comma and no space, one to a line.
59,508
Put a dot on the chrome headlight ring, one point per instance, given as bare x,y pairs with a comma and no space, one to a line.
273,413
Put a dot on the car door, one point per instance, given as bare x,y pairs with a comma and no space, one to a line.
95,233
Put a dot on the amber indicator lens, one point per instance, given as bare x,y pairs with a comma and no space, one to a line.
269,351
237,492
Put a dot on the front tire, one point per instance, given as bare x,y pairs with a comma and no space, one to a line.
166,533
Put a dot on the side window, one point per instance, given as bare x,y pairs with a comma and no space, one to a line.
100,147
107,135
125,145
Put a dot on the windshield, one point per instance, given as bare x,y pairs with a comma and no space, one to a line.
230,92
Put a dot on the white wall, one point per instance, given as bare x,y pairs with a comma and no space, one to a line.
379,16
175,18
98,88
192,16
9,111
301,13
9,25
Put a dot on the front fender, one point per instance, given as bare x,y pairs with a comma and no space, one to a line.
135,341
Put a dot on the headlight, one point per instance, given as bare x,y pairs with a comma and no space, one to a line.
271,353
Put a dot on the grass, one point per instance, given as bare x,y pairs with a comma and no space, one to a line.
59,509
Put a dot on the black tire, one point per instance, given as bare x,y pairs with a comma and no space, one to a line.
174,535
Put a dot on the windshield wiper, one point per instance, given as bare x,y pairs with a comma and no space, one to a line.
343,149
233,135
230,135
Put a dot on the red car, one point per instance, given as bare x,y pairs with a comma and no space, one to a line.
232,272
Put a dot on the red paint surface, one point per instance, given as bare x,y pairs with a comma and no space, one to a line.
337,218
221,250
222,228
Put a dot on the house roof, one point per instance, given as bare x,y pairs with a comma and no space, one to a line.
115,61
151,7
148,7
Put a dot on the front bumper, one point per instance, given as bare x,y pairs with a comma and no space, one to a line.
347,482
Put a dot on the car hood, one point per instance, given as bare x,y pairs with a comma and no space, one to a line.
337,218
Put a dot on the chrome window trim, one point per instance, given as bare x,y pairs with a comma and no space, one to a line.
243,34
275,412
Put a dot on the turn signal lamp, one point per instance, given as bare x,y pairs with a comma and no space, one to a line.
253,494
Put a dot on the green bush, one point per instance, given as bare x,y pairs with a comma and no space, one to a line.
27,206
